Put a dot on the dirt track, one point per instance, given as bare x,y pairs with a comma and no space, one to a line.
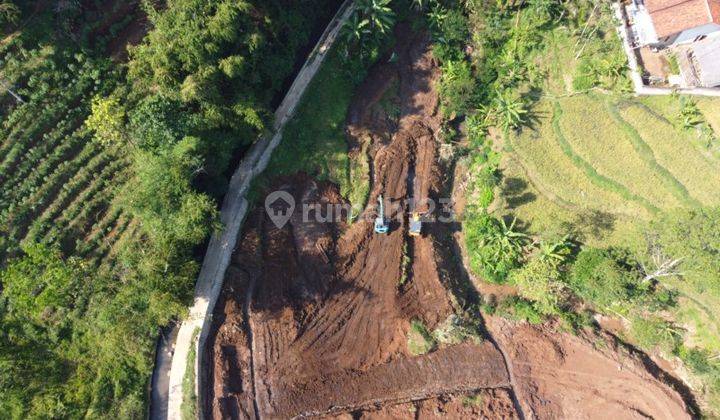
313,319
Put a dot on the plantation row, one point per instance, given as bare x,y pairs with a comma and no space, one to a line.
51,172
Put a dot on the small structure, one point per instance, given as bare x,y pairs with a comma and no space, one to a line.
672,45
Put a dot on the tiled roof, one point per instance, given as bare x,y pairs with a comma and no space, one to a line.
673,16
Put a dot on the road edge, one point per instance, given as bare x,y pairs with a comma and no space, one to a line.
232,214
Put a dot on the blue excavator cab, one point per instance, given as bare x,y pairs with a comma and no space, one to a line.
381,225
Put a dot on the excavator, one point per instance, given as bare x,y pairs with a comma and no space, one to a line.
415,224
381,224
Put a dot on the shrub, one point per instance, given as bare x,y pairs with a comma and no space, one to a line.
607,279
519,309
455,330
420,341
653,332
456,89
539,281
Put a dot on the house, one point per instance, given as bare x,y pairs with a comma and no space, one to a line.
666,23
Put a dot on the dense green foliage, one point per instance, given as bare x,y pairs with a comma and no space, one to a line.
110,175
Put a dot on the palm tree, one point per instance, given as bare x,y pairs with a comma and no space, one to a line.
355,29
378,13
509,112
9,12
505,240
420,4
556,251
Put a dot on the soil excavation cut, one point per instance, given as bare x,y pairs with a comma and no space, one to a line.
314,316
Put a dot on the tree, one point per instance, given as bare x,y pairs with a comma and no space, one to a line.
456,88
694,236
355,29
158,122
41,285
555,252
162,196
9,13
607,279
494,247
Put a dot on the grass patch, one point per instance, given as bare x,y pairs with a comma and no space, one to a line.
710,108
420,341
314,141
474,400
188,408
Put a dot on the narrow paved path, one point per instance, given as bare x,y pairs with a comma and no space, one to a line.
232,214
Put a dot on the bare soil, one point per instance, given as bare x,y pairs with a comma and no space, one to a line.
313,319
565,376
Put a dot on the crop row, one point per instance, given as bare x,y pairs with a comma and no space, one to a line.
75,146
51,117
69,190
45,149
18,215
98,193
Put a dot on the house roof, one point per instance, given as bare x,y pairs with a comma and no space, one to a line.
707,56
673,16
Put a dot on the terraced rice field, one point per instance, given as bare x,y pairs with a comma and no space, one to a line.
561,172
624,158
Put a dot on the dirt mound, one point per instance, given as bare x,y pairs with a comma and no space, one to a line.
564,376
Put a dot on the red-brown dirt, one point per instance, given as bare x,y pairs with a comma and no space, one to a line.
493,404
327,321
313,319
579,377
